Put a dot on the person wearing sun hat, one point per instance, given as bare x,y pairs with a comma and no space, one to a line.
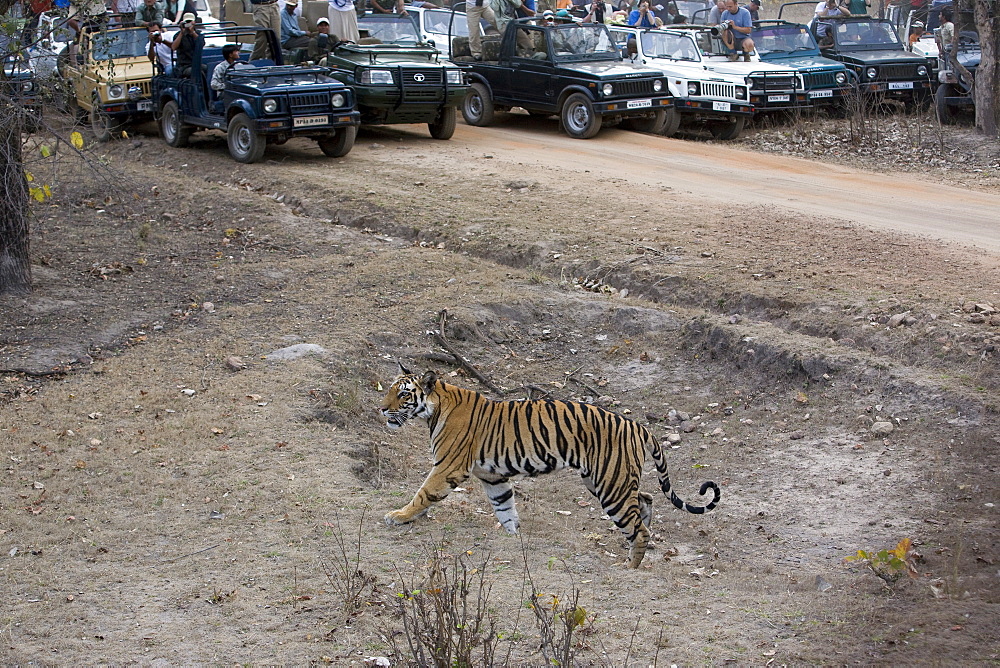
292,37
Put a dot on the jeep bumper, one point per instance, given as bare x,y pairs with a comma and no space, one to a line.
713,108
307,124
773,101
898,90
127,108
635,106
824,96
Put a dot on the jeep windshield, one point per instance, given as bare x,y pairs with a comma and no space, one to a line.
390,29
656,44
115,44
437,20
783,39
582,42
867,35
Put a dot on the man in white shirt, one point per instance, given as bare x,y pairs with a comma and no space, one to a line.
828,9
161,54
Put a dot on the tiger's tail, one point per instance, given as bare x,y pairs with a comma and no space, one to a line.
660,460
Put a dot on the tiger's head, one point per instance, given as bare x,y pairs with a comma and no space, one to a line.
408,398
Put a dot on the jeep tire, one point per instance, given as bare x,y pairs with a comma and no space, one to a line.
339,143
727,130
175,132
671,124
443,126
947,114
103,126
477,107
579,120
245,145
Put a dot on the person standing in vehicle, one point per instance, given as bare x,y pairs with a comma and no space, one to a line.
344,20
827,9
150,11
265,15
739,26
715,14
946,33
754,8
185,44
595,14
160,53
476,11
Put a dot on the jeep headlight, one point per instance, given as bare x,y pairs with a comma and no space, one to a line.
370,77
270,105
453,77
871,72
741,93
134,92
840,78
27,86
607,89
694,88
115,91
921,70
338,100
657,86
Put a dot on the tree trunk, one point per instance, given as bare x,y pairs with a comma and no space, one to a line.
987,86
15,266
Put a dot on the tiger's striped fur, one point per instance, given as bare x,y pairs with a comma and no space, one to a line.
494,441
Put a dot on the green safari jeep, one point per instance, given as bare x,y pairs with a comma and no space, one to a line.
398,79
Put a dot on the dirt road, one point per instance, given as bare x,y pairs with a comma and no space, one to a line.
714,172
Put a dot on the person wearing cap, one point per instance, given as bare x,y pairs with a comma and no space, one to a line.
185,44
754,8
323,42
292,37
549,17
563,16
230,61
265,15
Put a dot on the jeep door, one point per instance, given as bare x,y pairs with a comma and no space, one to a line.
531,69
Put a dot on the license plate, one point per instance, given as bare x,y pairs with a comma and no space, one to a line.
306,121
778,98
638,104
145,105
900,85
821,93
721,106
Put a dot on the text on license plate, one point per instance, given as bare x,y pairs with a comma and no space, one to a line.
778,98
638,104
720,106
145,105
821,93
306,121
900,85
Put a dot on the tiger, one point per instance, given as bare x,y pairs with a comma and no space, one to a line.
496,440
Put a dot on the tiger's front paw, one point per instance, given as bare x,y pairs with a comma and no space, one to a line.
396,517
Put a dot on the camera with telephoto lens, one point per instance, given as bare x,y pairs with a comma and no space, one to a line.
721,28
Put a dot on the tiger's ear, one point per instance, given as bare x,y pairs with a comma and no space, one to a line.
428,382
403,371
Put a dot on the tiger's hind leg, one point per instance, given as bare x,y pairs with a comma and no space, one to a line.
501,495
630,511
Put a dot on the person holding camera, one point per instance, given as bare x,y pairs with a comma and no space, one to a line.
828,9
160,53
185,44
595,12
642,17
736,26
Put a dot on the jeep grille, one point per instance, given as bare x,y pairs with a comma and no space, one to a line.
713,89
633,88
308,102
431,77
767,83
819,80
897,72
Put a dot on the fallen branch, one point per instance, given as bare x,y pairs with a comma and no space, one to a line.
441,341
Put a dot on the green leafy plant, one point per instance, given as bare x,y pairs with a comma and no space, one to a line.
891,564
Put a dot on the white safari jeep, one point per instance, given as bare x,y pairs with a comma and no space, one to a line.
719,100
773,87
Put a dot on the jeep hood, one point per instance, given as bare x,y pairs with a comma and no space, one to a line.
610,70
881,57
745,69
121,71
814,63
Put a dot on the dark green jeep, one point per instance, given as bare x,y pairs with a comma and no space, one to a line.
397,78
